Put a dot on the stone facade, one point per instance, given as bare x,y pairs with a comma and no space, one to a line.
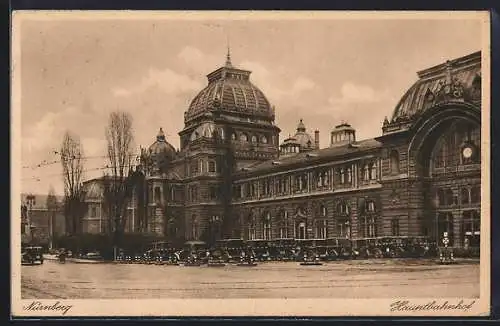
231,178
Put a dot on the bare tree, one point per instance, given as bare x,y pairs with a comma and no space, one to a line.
74,197
118,184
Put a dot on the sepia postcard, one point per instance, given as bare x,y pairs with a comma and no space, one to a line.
250,163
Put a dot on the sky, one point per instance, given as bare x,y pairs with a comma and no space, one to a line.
75,72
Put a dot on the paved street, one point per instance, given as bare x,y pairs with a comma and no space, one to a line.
344,279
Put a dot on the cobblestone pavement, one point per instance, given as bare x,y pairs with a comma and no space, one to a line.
342,279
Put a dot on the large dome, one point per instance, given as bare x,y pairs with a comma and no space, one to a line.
456,80
229,90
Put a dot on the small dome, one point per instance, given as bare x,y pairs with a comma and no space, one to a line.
304,139
161,147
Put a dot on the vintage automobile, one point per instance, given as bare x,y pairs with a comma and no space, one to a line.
341,248
247,257
194,253
393,246
368,248
285,249
32,255
261,249
231,248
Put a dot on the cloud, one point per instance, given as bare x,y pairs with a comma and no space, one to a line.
166,80
356,93
303,84
191,55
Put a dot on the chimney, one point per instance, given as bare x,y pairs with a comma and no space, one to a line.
316,138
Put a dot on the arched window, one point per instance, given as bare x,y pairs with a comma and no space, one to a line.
394,160
244,137
460,145
263,140
233,136
254,139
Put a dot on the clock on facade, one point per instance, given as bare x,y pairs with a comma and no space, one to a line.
467,152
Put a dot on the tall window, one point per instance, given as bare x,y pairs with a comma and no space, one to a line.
342,208
284,225
211,166
475,194
365,172
244,137
368,226
321,229
194,168
343,228
373,171
349,175
394,159
194,227
93,211
370,206
157,195
267,226
471,228
395,227
342,176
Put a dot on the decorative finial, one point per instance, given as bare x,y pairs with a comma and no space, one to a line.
228,56
448,72
161,135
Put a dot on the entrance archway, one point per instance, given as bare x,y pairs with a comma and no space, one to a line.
444,160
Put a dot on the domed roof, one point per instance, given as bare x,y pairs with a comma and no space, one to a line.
455,80
304,139
161,147
229,90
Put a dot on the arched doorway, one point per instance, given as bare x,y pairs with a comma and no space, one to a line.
446,148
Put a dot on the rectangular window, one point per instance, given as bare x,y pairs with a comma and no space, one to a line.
341,229
395,227
284,232
213,192
321,230
93,211
211,166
